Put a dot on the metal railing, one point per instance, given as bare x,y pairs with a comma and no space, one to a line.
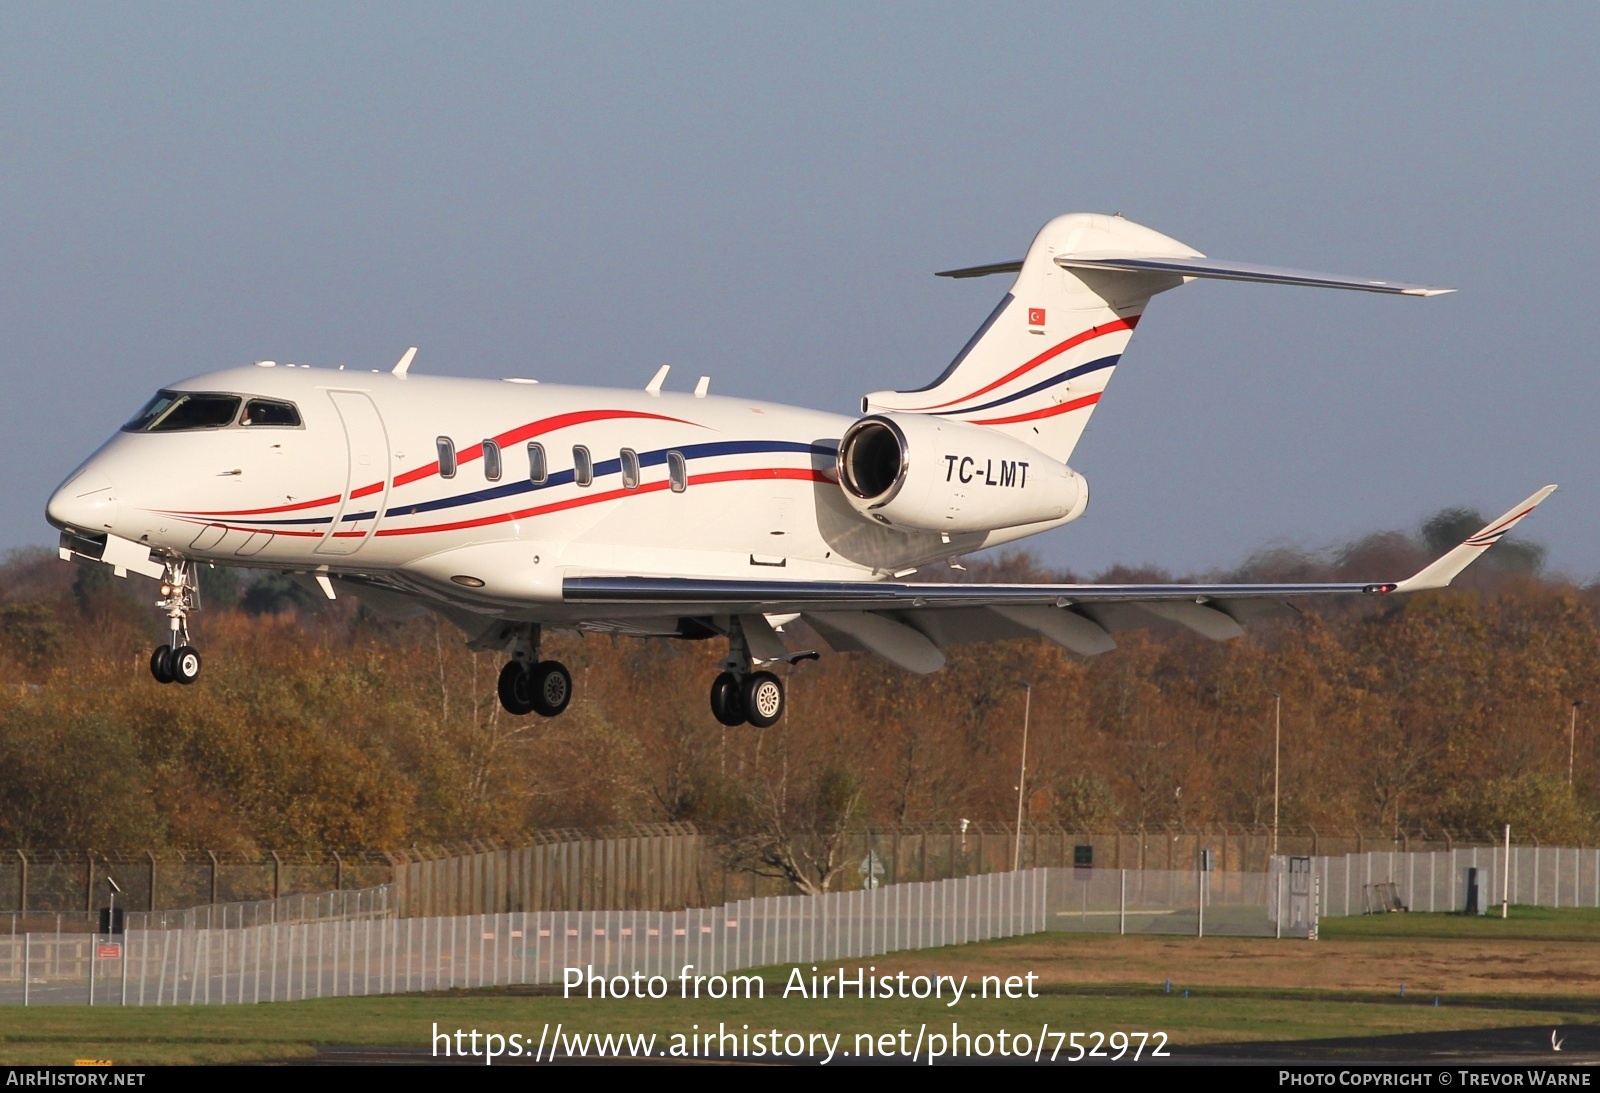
380,954
1542,876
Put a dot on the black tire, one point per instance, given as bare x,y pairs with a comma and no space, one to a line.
763,699
727,700
161,664
516,688
551,688
184,664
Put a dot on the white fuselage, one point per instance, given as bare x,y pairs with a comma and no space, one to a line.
357,488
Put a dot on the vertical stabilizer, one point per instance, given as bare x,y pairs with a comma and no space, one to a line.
1038,366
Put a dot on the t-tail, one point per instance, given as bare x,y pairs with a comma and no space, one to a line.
1039,364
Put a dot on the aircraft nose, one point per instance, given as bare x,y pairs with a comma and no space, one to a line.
87,502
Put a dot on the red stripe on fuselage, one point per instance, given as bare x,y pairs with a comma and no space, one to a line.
1049,354
261,512
804,475
537,428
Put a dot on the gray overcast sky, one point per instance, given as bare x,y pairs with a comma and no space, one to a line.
762,193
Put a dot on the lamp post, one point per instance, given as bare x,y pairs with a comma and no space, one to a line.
1022,773
1277,737
1572,737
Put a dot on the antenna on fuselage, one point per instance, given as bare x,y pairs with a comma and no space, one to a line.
405,361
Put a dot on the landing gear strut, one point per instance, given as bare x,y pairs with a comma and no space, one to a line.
177,661
740,694
530,685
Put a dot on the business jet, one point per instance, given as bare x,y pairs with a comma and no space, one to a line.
515,507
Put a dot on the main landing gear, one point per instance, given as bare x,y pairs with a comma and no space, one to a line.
177,661
743,695
757,698
530,685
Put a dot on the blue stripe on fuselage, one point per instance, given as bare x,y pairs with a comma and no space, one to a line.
564,478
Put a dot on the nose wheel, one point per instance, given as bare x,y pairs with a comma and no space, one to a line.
180,665
177,661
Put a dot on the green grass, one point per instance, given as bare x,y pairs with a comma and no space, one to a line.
220,1034
1523,924
185,1034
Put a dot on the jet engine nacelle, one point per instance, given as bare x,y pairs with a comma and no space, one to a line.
919,471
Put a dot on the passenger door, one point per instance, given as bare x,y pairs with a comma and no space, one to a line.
367,478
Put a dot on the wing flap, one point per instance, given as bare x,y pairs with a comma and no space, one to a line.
895,642
1065,627
1203,619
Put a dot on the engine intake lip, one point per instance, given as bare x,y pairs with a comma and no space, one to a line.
873,460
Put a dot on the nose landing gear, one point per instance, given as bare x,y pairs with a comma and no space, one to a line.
530,685
177,661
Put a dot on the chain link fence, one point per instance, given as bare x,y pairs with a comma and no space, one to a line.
1279,903
308,907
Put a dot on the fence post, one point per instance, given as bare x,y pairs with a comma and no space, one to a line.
27,962
1122,902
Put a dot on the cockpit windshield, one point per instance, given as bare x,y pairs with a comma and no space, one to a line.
266,411
177,411
180,411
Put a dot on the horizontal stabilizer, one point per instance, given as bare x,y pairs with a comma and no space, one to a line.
1209,268
1237,271
983,271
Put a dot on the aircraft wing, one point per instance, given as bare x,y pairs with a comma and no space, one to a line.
907,624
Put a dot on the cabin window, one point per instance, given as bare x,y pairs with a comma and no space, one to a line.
447,457
538,470
582,465
630,469
678,471
266,411
176,411
491,461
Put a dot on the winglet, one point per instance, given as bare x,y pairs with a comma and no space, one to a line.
404,365
654,386
1445,569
